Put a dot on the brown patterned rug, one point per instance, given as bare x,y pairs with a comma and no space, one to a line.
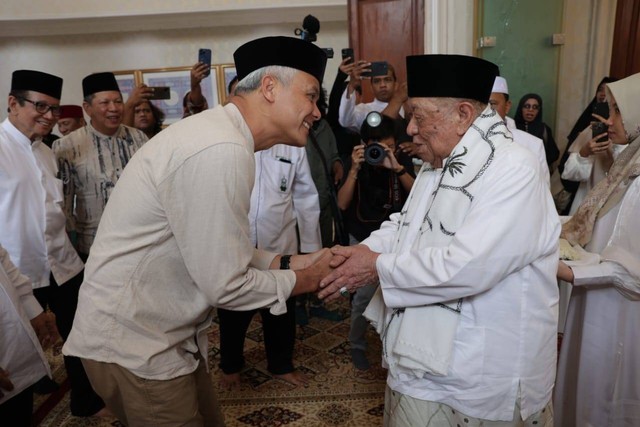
337,395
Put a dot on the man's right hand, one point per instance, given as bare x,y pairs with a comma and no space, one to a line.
308,279
354,267
401,94
355,79
357,157
198,73
139,94
347,65
300,262
5,382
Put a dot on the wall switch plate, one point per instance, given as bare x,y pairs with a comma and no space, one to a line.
487,41
557,39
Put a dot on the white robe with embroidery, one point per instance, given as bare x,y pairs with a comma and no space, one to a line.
503,262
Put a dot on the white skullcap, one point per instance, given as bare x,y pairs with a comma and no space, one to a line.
500,85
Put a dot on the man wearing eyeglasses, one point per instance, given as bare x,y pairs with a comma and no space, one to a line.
92,158
31,216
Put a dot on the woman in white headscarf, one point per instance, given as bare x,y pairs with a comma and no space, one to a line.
598,381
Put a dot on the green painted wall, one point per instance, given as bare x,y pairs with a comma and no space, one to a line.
524,50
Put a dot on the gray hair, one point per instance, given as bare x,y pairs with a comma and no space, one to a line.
252,81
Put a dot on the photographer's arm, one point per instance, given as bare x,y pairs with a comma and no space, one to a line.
139,94
345,193
405,177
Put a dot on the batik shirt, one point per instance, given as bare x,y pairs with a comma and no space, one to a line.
90,164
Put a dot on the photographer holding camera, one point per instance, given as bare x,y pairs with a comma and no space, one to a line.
376,186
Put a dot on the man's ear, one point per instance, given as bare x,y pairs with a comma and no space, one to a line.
12,103
268,86
85,107
465,116
507,108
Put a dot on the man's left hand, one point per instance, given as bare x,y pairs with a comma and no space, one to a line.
355,266
390,161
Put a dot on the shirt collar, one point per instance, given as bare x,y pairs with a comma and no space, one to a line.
102,135
239,123
19,136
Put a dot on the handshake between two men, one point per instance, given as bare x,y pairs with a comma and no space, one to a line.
334,272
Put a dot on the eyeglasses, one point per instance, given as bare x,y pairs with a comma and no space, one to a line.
43,107
531,106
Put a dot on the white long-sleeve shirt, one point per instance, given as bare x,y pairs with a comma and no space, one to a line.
503,262
284,196
172,244
31,215
20,351
533,144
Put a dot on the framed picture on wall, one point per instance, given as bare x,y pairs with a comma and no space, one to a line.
227,73
127,81
178,80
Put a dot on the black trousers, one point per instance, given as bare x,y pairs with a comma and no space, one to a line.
62,301
17,411
279,338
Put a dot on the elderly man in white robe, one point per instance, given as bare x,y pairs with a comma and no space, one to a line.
467,303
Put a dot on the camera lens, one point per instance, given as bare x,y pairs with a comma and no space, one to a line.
374,154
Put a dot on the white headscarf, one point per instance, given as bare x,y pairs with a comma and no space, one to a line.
608,192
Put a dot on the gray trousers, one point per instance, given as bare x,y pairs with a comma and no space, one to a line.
359,325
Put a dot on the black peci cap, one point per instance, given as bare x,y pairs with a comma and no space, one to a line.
279,50
450,76
99,82
37,81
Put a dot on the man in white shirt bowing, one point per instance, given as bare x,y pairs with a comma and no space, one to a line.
174,242
467,303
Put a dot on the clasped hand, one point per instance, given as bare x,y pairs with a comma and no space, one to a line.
333,272
352,268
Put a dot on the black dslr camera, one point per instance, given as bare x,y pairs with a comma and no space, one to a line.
374,153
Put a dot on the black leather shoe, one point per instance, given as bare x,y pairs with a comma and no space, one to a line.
45,385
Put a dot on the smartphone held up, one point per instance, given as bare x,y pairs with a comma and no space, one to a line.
160,92
378,68
347,53
204,56
597,128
